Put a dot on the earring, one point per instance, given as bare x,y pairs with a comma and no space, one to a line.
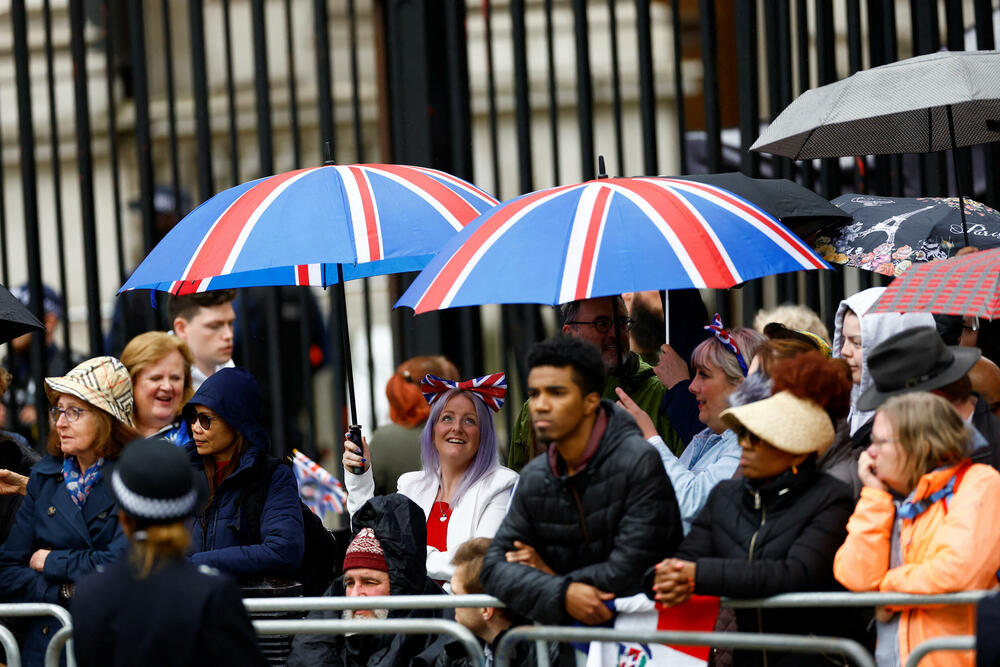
795,470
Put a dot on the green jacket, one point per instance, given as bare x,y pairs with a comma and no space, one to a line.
640,383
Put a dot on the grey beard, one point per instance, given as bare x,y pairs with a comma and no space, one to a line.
349,615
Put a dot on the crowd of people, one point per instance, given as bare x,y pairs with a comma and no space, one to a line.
744,463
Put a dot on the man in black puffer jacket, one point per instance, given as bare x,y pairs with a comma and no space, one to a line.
592,515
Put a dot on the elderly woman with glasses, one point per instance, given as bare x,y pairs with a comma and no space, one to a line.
925,523
252,524
67,524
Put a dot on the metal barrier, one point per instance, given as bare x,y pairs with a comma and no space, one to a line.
380,602
785,600
10,648
788,643
55,647
402,626
844,599
28,609
954,643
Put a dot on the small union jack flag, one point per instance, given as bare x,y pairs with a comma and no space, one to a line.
491,388
723,336
319,490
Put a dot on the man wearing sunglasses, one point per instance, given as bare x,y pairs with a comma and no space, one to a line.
594,321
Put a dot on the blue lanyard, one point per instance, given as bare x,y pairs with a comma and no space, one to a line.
911,510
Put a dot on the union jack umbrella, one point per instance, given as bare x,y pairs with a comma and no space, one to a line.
604,237
294,228
316,226
967,285
319,490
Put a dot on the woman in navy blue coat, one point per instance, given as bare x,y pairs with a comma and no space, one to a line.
231,448
68,523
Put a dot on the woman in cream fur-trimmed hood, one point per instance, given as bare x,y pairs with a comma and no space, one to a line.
874,328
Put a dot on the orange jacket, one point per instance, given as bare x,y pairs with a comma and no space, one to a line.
945,550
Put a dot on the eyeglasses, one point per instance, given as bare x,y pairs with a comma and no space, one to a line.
204,420
72,413
603,323
970,323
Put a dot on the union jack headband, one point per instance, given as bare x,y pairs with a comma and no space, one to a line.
491,388
723,336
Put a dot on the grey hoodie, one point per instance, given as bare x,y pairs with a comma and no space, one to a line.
875,328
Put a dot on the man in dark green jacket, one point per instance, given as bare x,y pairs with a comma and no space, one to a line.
592,320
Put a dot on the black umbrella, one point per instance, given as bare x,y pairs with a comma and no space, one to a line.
928,103
798,208
15,319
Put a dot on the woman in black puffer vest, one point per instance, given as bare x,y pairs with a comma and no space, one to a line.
777,529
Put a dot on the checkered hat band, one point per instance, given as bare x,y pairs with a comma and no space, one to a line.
156,509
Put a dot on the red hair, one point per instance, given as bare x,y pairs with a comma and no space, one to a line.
813,377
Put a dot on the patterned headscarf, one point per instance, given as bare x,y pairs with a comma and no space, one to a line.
723,336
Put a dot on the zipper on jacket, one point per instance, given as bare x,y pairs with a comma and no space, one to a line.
758,505
579,510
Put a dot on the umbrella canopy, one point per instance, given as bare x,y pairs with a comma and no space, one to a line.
15,319
902,107
968,285
604,237
888,235
798,208
295,228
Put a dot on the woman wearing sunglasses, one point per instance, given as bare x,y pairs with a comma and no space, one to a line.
67,524
230,447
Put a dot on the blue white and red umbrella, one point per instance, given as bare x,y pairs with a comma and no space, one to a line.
294,228
604,237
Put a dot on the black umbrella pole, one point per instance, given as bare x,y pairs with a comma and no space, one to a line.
353,428
958,182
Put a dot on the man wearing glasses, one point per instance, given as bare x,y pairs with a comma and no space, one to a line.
594,321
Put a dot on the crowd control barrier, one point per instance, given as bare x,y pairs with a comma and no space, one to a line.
29,609
953,643
403,626
10,647
788,643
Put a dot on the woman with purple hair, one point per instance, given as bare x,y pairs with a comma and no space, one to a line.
461,487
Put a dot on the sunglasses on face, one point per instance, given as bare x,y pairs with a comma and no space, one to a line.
72,413
203,419
603,323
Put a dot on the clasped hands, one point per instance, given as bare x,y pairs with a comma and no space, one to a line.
583,602
674,581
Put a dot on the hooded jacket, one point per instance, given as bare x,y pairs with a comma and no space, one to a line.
953,546
875,328
401,529
221,534
755,541
603,526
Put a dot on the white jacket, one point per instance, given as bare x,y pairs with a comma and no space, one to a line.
478,514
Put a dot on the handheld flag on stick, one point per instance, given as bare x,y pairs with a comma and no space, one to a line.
319,490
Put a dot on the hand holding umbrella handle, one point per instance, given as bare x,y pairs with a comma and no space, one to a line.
355,436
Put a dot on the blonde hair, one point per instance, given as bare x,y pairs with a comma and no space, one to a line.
161,543
710,352
794,316
148,348
929,430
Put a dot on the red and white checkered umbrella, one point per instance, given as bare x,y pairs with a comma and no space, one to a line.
967,285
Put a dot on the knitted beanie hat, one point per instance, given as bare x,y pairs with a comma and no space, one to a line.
365,551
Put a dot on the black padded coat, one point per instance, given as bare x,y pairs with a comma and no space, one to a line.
603,526
780,537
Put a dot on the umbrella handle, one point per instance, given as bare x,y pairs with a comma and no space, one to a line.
355,436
